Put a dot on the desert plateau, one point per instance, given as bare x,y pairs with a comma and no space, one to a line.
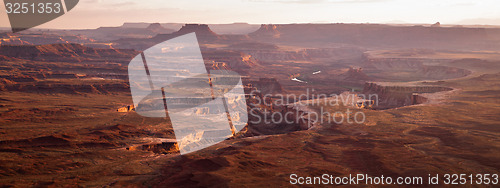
68,119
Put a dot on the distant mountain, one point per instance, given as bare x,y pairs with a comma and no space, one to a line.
266,31
385,36
203,33
222,29
202,30
114,33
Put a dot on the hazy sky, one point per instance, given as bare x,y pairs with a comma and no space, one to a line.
95,13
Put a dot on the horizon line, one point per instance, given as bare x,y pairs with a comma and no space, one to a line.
297,23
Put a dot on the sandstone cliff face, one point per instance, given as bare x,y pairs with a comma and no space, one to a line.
397,96
32,85
13,41
162,148
66,53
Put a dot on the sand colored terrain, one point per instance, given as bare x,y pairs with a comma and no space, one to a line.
61,123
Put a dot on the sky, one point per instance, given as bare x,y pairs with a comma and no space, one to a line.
96,13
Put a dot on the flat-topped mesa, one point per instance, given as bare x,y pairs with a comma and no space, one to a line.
267,30
203,32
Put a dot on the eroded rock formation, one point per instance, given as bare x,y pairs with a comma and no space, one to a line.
392,96
66,53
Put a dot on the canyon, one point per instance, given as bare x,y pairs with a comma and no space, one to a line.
66,113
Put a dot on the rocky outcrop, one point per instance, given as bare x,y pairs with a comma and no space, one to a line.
354,75
391,96
437,24
267,31
124,109
227,59
267,118
418,99
5,82
161,148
